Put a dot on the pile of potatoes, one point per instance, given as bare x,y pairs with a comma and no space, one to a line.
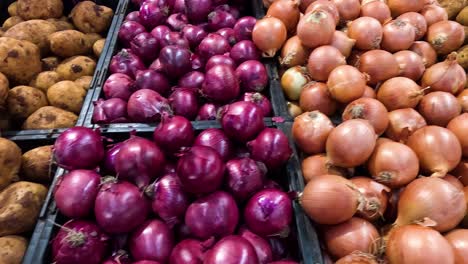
23,181
47,61
457,10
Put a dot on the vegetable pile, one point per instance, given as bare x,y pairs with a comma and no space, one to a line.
181,197
187,58
389,183
48,61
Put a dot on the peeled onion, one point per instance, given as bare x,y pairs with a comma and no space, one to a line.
294,53
269,34
459,126
343,43
369,109
315,96
318,165
403,123
434,13
398,35
316,29
426,51
367,31
445,76
446,36
380,65
346,83
438,108
400,92
376,9
293,81
410,63
323,60
310,131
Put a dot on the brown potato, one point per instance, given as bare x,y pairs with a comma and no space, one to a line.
35,165
61,24
4,121
76,67
66,95
98,47
89,17
20,204
84,82
12,249
50,63
453,7
19,60
35,31
45,79
69,43
43,9
4,88
462,57
11,21
23,100
13,9
462,17
2,32
10,162
49,117
92,38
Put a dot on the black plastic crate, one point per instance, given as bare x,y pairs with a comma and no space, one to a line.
273,90
68,6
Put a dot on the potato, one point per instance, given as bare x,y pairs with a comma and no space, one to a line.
49,117
89,17
35,31
45,79
12,249
98,47
69,43
13,9
35,165
10,162
462,57
23,100
61,24
19,60
93,37
50,63
75,67
66,95
2,32
462,17
84,82
34,9
4,121
20,204
4,87
453,7
11,21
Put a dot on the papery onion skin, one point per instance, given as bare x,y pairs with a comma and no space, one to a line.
343,43
400,92
438,108
461,172
398,35
367,31
153,240
434,13
369,92
324,5
445,76
410,63
399,7
369,109
221,84
287,11
454,181
348,9
437,148
230,250
216,139
242,121
346,83
417,21
294,109
376,9
351,143
261,245
380,65
318,165
271,147
323,60
294,53
426,51
357,258
403,123
463,100
316,29
293,81
459,126
244,177
417,244
446,36
458,239
269,34
315,96
310,131
376,195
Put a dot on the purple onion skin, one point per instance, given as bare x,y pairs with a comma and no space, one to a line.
221,84
120,207
76,191
108,165
198,10
184,102
175,61
216,139
220,60
284,262
229,34
201,170
194,35
152,14
208,111
109,111
279,247
223,6
147,106
153,240
271,147
244,177
242,121
213,44
177,21
146,262
145,46
218,221
245,50
90,248
271,184
139,160
193,79
118,259
175,39
138,2
260,100
179,6
119,85
153,80
81,142
252,76
133,16
156,66
268,212
128,31
169,168
197,63
230,250
127,63
182,232
190,251
219,19
160,32
174,133
261,246
244,27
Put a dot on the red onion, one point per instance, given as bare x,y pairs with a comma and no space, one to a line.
147,106
119,207
261,246
156,66
213,44
153,80
145,262
177,21
145,46
160,32
174,39
112,110
220,19
175,60
152,241
108,165
271,147
252,75
242,121
152,14
184,102
194,35
174,133
268,212
260,100
133,16
244,27
81,142
221,84
128,31
208,111
118,85
127,63
139,160
244,177
222,5
217,140
243,51
219,220
190,251
179,6
193,79
231,250
197,62
229,34
220,60
198,10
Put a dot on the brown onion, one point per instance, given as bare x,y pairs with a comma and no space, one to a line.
346,83
367,31
269,34
331,199
458,239
464,222
426,51
369,109
294,109
358,258
287,11
393,164
315,96
316,29
293,81
310,131
410,63
376,195
318,165
437,148
376,9
325,5
430,199
351,143
446,76
454,181
323,60
304,4
343,43
267,3
461,172
463,100
355,57
413,244
400,92
438,108
392,208
398,35
417,21
446,36
434,13
348,9
380,65
369,93
403,123
345,238
294,53
399,7
459,126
